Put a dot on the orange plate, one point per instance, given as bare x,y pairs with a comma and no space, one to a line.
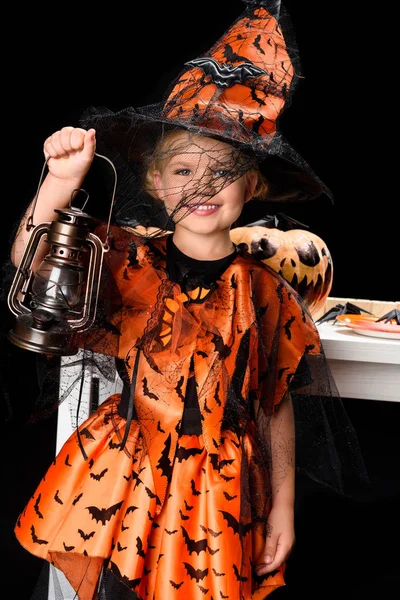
345,319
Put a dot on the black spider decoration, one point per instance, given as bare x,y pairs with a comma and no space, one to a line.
341,309
388,317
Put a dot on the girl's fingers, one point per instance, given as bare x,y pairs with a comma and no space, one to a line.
268,558
77,138
89,144
64,139
274,556
281,555
50,149
55,146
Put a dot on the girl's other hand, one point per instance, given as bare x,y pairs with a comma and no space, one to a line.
71,151
279,542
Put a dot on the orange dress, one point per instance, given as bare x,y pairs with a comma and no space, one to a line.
131,505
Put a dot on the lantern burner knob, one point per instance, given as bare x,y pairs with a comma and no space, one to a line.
42,319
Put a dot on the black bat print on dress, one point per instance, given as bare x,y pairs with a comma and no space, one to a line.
176,585
197,574
135,476
187,506
139,547
130,509
208,410
194,491
184,453
121,548
104,514
99,476
36,507
287,326
211,531
76,500
148,543
203,589
193,545
218,465
86,536
146,390
57,498
239,577
228,497
237,527
35,537
159,428
68,548
226,478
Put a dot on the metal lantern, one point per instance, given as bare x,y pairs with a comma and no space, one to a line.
58,301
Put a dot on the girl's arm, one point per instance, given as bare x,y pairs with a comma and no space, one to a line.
71,152
280,537
283,454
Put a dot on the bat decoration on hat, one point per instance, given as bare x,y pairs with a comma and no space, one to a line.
224,75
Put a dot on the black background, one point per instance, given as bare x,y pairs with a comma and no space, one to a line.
58,64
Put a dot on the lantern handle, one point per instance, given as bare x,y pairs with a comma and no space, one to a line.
30,224
79,190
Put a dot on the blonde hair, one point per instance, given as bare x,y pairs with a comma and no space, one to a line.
156,159
262,186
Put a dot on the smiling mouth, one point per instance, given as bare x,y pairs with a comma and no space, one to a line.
204,207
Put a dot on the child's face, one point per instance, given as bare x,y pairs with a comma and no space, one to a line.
199,179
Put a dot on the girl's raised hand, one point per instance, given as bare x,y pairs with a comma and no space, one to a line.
71,151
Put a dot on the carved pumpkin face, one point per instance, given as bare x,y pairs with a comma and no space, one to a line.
300,256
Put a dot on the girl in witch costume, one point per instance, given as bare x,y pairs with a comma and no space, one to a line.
182,485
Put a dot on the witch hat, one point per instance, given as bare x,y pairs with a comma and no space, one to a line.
234,92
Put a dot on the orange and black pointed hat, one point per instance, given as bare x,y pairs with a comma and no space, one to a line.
241,85
235,92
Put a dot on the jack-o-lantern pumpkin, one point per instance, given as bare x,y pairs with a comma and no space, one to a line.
299,255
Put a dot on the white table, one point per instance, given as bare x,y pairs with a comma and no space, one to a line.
363,367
